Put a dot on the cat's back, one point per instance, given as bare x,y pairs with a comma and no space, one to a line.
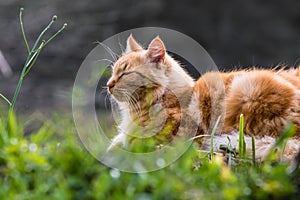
292,76
269,99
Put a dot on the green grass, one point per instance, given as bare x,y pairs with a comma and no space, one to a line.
51,163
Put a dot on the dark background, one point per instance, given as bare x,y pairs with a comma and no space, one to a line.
237,34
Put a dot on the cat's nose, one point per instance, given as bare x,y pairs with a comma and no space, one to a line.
111,84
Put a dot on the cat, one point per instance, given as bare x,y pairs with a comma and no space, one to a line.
154,93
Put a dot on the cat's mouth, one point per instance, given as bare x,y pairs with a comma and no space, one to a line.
136,95
119,95
124,95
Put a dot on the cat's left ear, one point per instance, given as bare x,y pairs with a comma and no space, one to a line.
132,45
156,50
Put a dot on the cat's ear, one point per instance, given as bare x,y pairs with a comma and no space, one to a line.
132,45
156,50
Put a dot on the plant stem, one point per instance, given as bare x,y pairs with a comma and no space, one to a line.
43,32
22,29
3,97
34,58
17,89
33,55
58,32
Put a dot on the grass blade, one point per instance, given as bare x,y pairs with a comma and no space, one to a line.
280,143
253,151
212,137
242,144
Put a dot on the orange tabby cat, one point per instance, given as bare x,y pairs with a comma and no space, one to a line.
154,92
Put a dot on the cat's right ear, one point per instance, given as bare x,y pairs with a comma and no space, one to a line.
132,45
156,50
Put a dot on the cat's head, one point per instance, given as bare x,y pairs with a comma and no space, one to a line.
140,70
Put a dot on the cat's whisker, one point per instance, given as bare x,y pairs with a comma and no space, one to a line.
137,107
109,50
112,54
133,102
103,91
120,89
105,100
128,99
133,98
105,59
121,46
107,96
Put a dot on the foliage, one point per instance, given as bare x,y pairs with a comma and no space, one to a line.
32,56
51,164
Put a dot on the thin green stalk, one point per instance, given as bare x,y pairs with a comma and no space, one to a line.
30,58
58,32
3,97
242,146
253,151
22,29
27,62
282,150
212,137
33,54
230,154
17,89
43,32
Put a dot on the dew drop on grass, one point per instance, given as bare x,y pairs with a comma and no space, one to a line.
28,168
139,167
115,173
11,165
259,182
32,147
13,141
47,167
24,147
247,191
160,162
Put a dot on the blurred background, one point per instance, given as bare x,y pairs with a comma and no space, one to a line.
237,34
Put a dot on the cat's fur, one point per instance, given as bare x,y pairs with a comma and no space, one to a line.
154,92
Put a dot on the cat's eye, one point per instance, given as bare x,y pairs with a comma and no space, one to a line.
124,74
125,66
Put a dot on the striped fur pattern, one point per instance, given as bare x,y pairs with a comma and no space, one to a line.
154,91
